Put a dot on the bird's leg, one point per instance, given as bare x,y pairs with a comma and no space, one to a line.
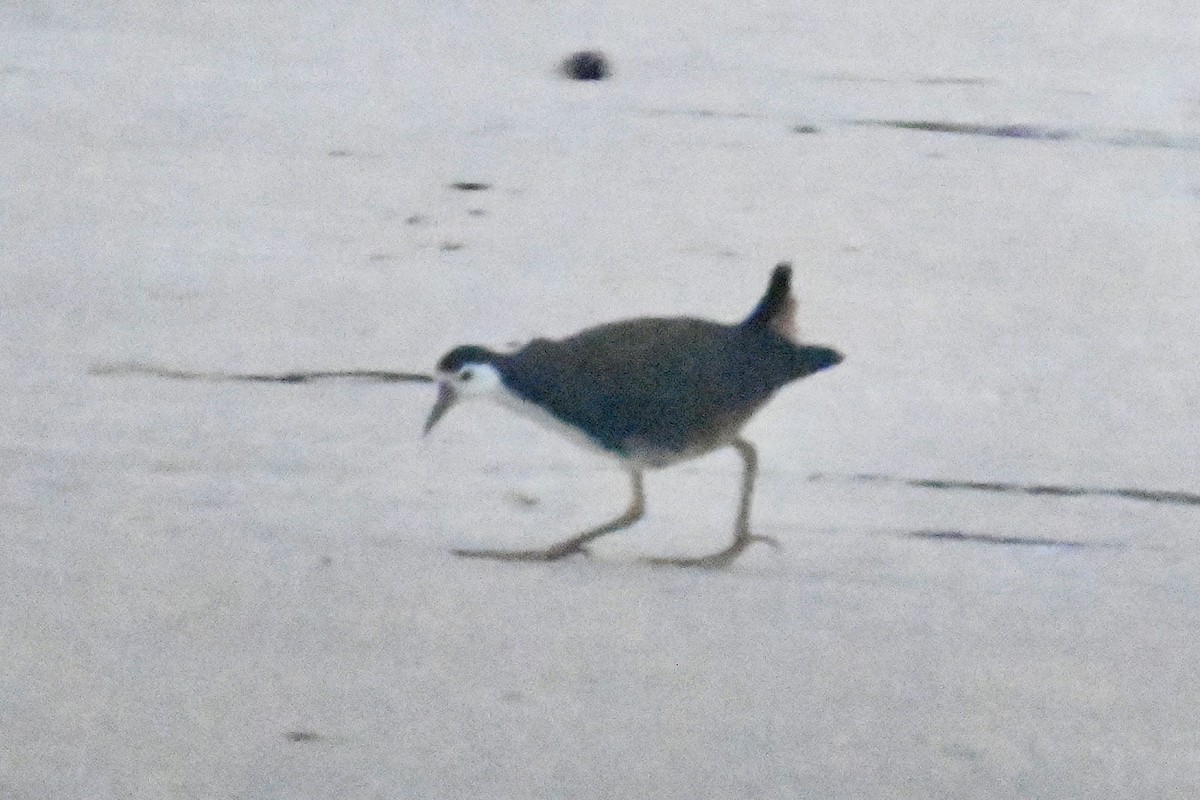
576,544
742,538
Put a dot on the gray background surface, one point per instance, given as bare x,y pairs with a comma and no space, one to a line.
195,575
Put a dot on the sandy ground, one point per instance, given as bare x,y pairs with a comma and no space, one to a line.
224,590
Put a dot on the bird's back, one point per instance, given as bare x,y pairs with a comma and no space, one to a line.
660,389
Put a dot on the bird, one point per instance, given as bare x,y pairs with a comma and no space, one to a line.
649,392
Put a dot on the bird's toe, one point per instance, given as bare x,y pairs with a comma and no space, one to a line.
717,560
767,540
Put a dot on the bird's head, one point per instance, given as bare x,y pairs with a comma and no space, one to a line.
466,371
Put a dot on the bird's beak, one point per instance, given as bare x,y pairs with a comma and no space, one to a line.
445,398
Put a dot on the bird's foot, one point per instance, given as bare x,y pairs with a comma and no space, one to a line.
552,553
717,560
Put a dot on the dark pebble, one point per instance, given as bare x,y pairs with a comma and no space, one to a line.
586,65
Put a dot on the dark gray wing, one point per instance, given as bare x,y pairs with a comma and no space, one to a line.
666,384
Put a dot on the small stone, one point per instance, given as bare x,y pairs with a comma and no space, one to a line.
586,65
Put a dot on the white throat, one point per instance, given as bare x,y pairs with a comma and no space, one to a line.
483,381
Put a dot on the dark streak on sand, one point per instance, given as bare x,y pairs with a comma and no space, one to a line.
1019,131
1142,495
351,154
700,113
848,77
1020,541
972,129
1116,138
377,375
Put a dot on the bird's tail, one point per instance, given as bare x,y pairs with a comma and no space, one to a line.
777,308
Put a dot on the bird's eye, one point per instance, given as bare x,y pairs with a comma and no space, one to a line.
466,375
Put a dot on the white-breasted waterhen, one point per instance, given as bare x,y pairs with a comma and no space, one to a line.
650,392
